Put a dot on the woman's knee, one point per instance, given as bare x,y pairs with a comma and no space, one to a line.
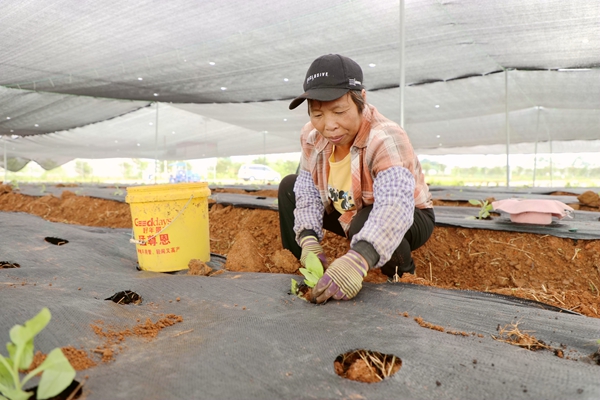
401,261
421,229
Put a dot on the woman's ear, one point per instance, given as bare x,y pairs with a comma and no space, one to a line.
363,93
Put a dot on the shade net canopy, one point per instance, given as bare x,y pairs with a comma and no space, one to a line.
86,80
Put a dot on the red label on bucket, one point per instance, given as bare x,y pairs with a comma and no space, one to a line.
161,240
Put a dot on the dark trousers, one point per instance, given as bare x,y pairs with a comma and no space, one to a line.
417,235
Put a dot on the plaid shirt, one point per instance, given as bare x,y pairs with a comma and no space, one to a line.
386,173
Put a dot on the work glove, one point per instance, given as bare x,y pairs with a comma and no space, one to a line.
342,280
310,244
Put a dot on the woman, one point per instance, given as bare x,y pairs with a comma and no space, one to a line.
359,177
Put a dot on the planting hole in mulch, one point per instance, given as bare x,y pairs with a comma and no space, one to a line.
56,241
303,291
8,264
594,358
366,366
126,297
73,391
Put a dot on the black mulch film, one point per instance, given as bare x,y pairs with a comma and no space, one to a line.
242,336
582,225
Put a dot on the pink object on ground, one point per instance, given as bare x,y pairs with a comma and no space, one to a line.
533,211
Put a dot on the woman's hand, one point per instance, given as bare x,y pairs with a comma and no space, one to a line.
310,244
343,279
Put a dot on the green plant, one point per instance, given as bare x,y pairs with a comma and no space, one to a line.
57,372
43,189
117,192
294,288
14,184
484,210
312,273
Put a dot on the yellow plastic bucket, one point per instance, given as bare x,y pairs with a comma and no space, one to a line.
170,225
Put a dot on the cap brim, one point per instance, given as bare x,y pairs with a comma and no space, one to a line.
320,94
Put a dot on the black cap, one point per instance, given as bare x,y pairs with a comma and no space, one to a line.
330,77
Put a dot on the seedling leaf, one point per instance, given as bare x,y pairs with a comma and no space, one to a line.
311,280
294,288
26,355
313,264
20,334
485,208
57,372
307,274
313,271
15,394
22,337
58,375
5,367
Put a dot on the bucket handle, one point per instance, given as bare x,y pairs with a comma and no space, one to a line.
143,242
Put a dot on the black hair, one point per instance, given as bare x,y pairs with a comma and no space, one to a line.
355,95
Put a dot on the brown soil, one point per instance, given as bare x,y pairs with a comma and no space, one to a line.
439,328
199,268
115,336
560,272
78,358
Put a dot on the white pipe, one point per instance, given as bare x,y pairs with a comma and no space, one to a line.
551,166
506,127
401,56
156,146
5,165
537,125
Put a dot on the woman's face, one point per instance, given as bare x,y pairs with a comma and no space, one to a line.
337,120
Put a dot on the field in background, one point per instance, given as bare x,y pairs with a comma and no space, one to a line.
575,170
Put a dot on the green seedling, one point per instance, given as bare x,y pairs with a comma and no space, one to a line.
117,192
484,210
43,189
312,273
57,372
294,288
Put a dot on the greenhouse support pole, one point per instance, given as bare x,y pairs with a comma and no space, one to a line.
156,145
5,166
216,160
537,126
551,166
401,57
506,127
